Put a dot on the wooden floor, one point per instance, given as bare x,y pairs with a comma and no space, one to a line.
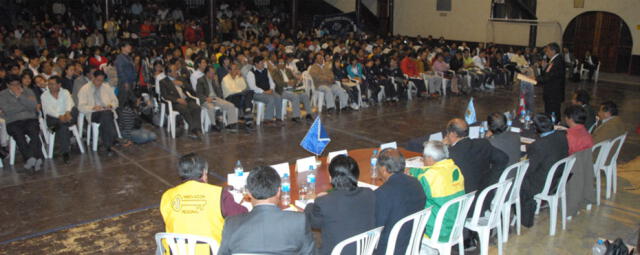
99,204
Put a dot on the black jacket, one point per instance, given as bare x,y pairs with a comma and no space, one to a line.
481,163
543,153
553,80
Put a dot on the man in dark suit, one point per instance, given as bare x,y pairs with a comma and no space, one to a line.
399,196
176,90
543,153
503,139
266,229
552,79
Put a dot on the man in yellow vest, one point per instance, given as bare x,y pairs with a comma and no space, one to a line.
196,207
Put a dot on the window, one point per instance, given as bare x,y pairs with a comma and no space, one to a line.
443,5
513,9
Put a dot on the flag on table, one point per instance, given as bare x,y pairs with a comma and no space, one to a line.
316,138
522,104
470,114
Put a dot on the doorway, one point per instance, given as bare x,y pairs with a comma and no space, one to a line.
605,34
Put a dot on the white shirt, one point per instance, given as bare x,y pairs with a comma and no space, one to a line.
55,107
194,78
251,81
479,62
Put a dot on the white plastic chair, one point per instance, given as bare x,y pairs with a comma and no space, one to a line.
13,149
205,120
419,222
603,152
333,154
184,244
483,224
393,145
93,131
365,243
516,171
260,109
596,73
52,139
304,164
559,195
317,97
611,168
464,204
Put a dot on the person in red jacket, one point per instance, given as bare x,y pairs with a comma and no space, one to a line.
409,67
98,61
193,33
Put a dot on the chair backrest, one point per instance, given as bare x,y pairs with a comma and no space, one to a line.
393,145
614,147
333,154
419,220
184,244
304,163
307,82
603,151
517,172
566,164
365,243
464,204
501,190
282,168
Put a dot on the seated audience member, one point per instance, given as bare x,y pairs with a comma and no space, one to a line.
260,81
548,149
214,204
580,188
18,109
128,117
60,114
98,100
266,229
236,91
501,138
442,181
323,80
590,63
409,67
286,84
209,91
581,97
609,125
176,89
399,196
84,76
201,65
344,212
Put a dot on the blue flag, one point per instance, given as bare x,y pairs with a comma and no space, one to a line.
316,139
470,114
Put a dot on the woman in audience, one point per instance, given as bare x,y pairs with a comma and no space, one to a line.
346,210
580,188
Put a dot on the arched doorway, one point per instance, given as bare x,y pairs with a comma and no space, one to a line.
605,34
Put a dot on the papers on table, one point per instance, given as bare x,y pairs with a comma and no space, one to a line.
304,164
333,154
527,79
515,129
282,168
523,148
415,162
392,145
238,196
436,136
527,140
303,203
236,181
367,185
474,132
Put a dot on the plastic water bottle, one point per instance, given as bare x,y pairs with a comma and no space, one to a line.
311,185
238,170
527,119
285,197
553,118
482,132
599,248
374,162
523,115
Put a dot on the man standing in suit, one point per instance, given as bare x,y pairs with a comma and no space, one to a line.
266,229
552,79
399,196
609,125
543,153
176,89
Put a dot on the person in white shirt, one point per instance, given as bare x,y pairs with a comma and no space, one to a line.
261,83
480,62
60,113
201,64
98,100
236,91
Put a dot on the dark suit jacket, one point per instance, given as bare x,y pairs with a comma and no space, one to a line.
481,163
553,81
169,91
267,229
202,89
543,153
400,196
608,130
342,214
591,116
278,79
509,143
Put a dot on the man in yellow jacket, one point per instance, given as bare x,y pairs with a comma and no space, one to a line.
196,207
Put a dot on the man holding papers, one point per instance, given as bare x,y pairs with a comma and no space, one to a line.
552,79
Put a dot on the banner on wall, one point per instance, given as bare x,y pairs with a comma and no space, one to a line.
336,24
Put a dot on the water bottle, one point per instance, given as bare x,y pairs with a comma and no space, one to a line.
482,131
311,185
523,115
285,197
599,248
374,162
238,170
527,119
553,118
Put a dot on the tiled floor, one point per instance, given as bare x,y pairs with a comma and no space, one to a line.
101,204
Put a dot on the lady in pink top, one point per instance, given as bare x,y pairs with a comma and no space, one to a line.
440,65
580,187
577,135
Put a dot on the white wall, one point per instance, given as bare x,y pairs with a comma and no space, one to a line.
343,5
469,20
